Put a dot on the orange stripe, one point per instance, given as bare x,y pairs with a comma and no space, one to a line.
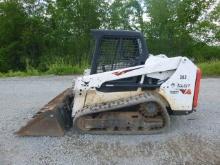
197,86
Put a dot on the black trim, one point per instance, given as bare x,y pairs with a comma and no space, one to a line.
116,87
99,34
179,112
134,85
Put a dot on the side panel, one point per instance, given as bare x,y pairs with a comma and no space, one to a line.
101,97
154,66
178,90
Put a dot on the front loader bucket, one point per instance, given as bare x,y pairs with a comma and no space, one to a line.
53,119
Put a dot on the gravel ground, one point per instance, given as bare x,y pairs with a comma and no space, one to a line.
192,139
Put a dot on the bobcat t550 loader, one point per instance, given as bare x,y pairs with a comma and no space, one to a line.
126,91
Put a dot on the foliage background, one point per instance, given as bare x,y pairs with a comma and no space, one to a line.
43,35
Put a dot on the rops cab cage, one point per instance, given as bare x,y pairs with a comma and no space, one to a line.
117,49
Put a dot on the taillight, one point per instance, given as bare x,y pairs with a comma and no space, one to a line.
196,90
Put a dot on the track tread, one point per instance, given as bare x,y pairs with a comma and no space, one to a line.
122,103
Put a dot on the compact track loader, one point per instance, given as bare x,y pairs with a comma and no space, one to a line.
126,91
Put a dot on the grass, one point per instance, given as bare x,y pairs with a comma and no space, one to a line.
211,68
65,69
11,73
53,69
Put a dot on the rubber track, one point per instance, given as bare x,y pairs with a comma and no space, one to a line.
113,105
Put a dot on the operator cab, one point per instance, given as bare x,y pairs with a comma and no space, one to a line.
117,49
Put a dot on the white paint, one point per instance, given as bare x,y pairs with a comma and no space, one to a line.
160,67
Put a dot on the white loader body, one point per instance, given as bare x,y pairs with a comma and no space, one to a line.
178,74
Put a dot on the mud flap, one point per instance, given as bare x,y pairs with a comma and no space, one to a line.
53,119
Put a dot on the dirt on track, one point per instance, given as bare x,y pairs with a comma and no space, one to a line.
192,139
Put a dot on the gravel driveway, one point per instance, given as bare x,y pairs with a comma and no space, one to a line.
192,139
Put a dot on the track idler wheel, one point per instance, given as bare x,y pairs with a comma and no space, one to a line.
149,109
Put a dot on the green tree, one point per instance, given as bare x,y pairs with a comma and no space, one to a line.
40,33
22,35
70,23
126,14
172,24
13,21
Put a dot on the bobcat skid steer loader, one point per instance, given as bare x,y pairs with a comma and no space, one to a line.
126,91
